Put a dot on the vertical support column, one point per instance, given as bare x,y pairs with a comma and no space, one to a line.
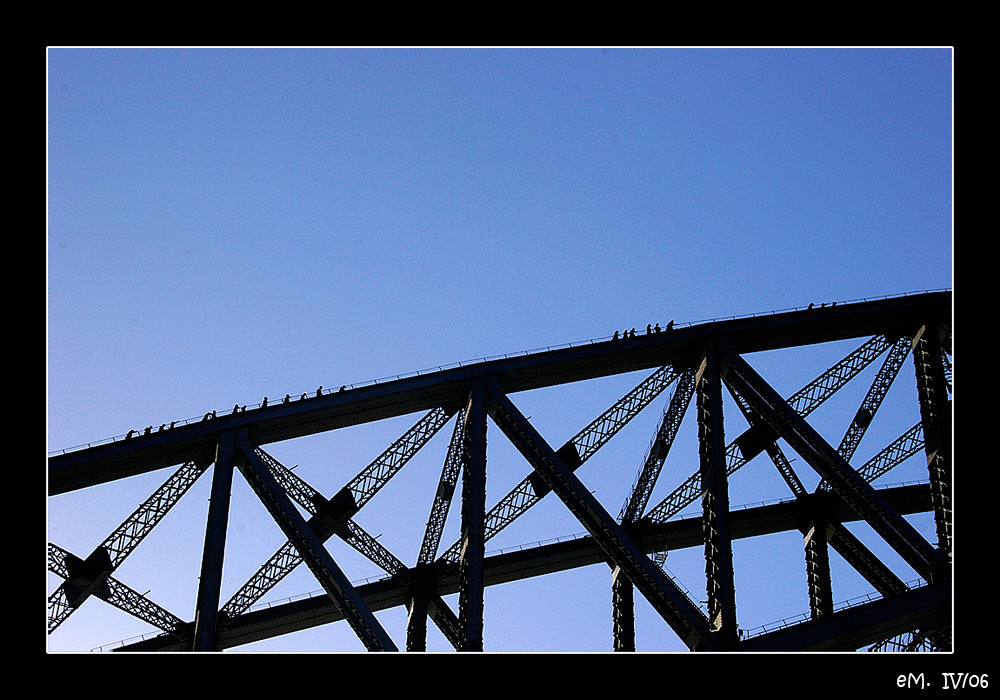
210,581
818,568
416,624
935,418
715,501
623,610
470,600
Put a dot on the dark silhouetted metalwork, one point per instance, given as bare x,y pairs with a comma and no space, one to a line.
702,361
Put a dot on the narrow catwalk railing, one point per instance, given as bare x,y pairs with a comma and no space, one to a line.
300,395
692,364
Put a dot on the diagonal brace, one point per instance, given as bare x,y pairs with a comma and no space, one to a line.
663,594
786,423
319,561
356,536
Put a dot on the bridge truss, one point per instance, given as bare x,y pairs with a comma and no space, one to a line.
694,371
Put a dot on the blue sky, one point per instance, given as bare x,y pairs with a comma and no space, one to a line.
229,224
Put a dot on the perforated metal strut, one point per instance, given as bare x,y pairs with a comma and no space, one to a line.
329,514
904,618
575,452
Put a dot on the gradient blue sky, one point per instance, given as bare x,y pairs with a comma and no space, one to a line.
229,224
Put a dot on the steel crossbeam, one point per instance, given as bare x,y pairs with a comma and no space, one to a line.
935,413
288,556
829,465
540,560
662,593
873,399
575,451
903,447
751,441
470,596
623,610
111,591
110,554
319,561
864,562
699,360
660,445
330,515
828,531
715,499
444,493
821,530
206,613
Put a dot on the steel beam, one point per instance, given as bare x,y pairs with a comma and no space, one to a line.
111,591
574,453
935,417
470,599
210,582
818,569
444,494
416,621
622,594
329,520
623,611
873,399
715,500
332,516
662,593
820,530
90,576
277,422
623,546
658,449
319,561
856,627
786,423
854,552
756,438
538,561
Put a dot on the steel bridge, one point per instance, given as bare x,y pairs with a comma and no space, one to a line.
697,362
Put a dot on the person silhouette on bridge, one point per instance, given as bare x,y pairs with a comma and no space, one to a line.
615,336
319,392
656,328
287,398
263,403
670,326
